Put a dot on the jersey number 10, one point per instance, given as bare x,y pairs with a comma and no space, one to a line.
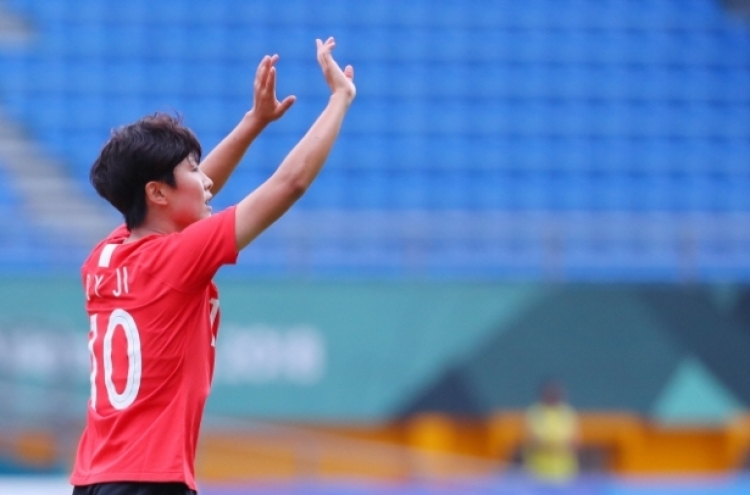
123,319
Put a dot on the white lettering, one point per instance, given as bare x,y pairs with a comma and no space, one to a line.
42,354
304,359
35,356
118,319
262,354
122,282
118,291
92,339
121,318
98,279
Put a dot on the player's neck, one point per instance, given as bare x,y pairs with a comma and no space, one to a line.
153,226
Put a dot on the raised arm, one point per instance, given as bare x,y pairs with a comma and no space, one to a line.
221,162
274,197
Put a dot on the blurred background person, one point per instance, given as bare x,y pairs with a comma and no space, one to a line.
550,451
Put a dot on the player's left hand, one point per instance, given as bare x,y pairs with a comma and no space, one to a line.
266,107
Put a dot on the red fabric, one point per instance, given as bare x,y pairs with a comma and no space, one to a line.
162,286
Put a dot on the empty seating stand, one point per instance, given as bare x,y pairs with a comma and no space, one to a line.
600,108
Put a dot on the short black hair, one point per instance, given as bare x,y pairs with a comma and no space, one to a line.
136,154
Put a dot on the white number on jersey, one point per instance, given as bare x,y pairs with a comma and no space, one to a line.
118,318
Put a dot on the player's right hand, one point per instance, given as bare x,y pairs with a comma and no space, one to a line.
266,107
340,81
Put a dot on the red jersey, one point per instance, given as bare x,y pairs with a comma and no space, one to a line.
154,316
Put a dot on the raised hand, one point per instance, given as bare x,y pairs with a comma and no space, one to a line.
340,82
265,105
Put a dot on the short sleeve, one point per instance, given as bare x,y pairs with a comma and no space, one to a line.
188,260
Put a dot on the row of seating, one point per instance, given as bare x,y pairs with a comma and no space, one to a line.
524,157
598,48
378,156
480,121
410,191
610,87
609,14
578,261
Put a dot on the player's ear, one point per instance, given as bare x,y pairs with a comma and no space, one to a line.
155,193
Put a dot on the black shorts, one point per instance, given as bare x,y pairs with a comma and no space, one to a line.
134,488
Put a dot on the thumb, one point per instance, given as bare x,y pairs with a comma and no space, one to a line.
349,71
285,105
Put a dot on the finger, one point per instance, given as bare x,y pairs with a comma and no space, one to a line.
259,75
260,65
349,71
264,65
323,55
269,77
270,69
285,105
272,80
325,45
325,48
262,71
270,66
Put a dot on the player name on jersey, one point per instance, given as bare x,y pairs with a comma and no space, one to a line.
113,283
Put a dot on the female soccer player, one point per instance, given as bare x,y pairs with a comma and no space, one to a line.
153,308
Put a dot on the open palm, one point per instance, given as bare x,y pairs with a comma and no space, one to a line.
340,81
265,104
